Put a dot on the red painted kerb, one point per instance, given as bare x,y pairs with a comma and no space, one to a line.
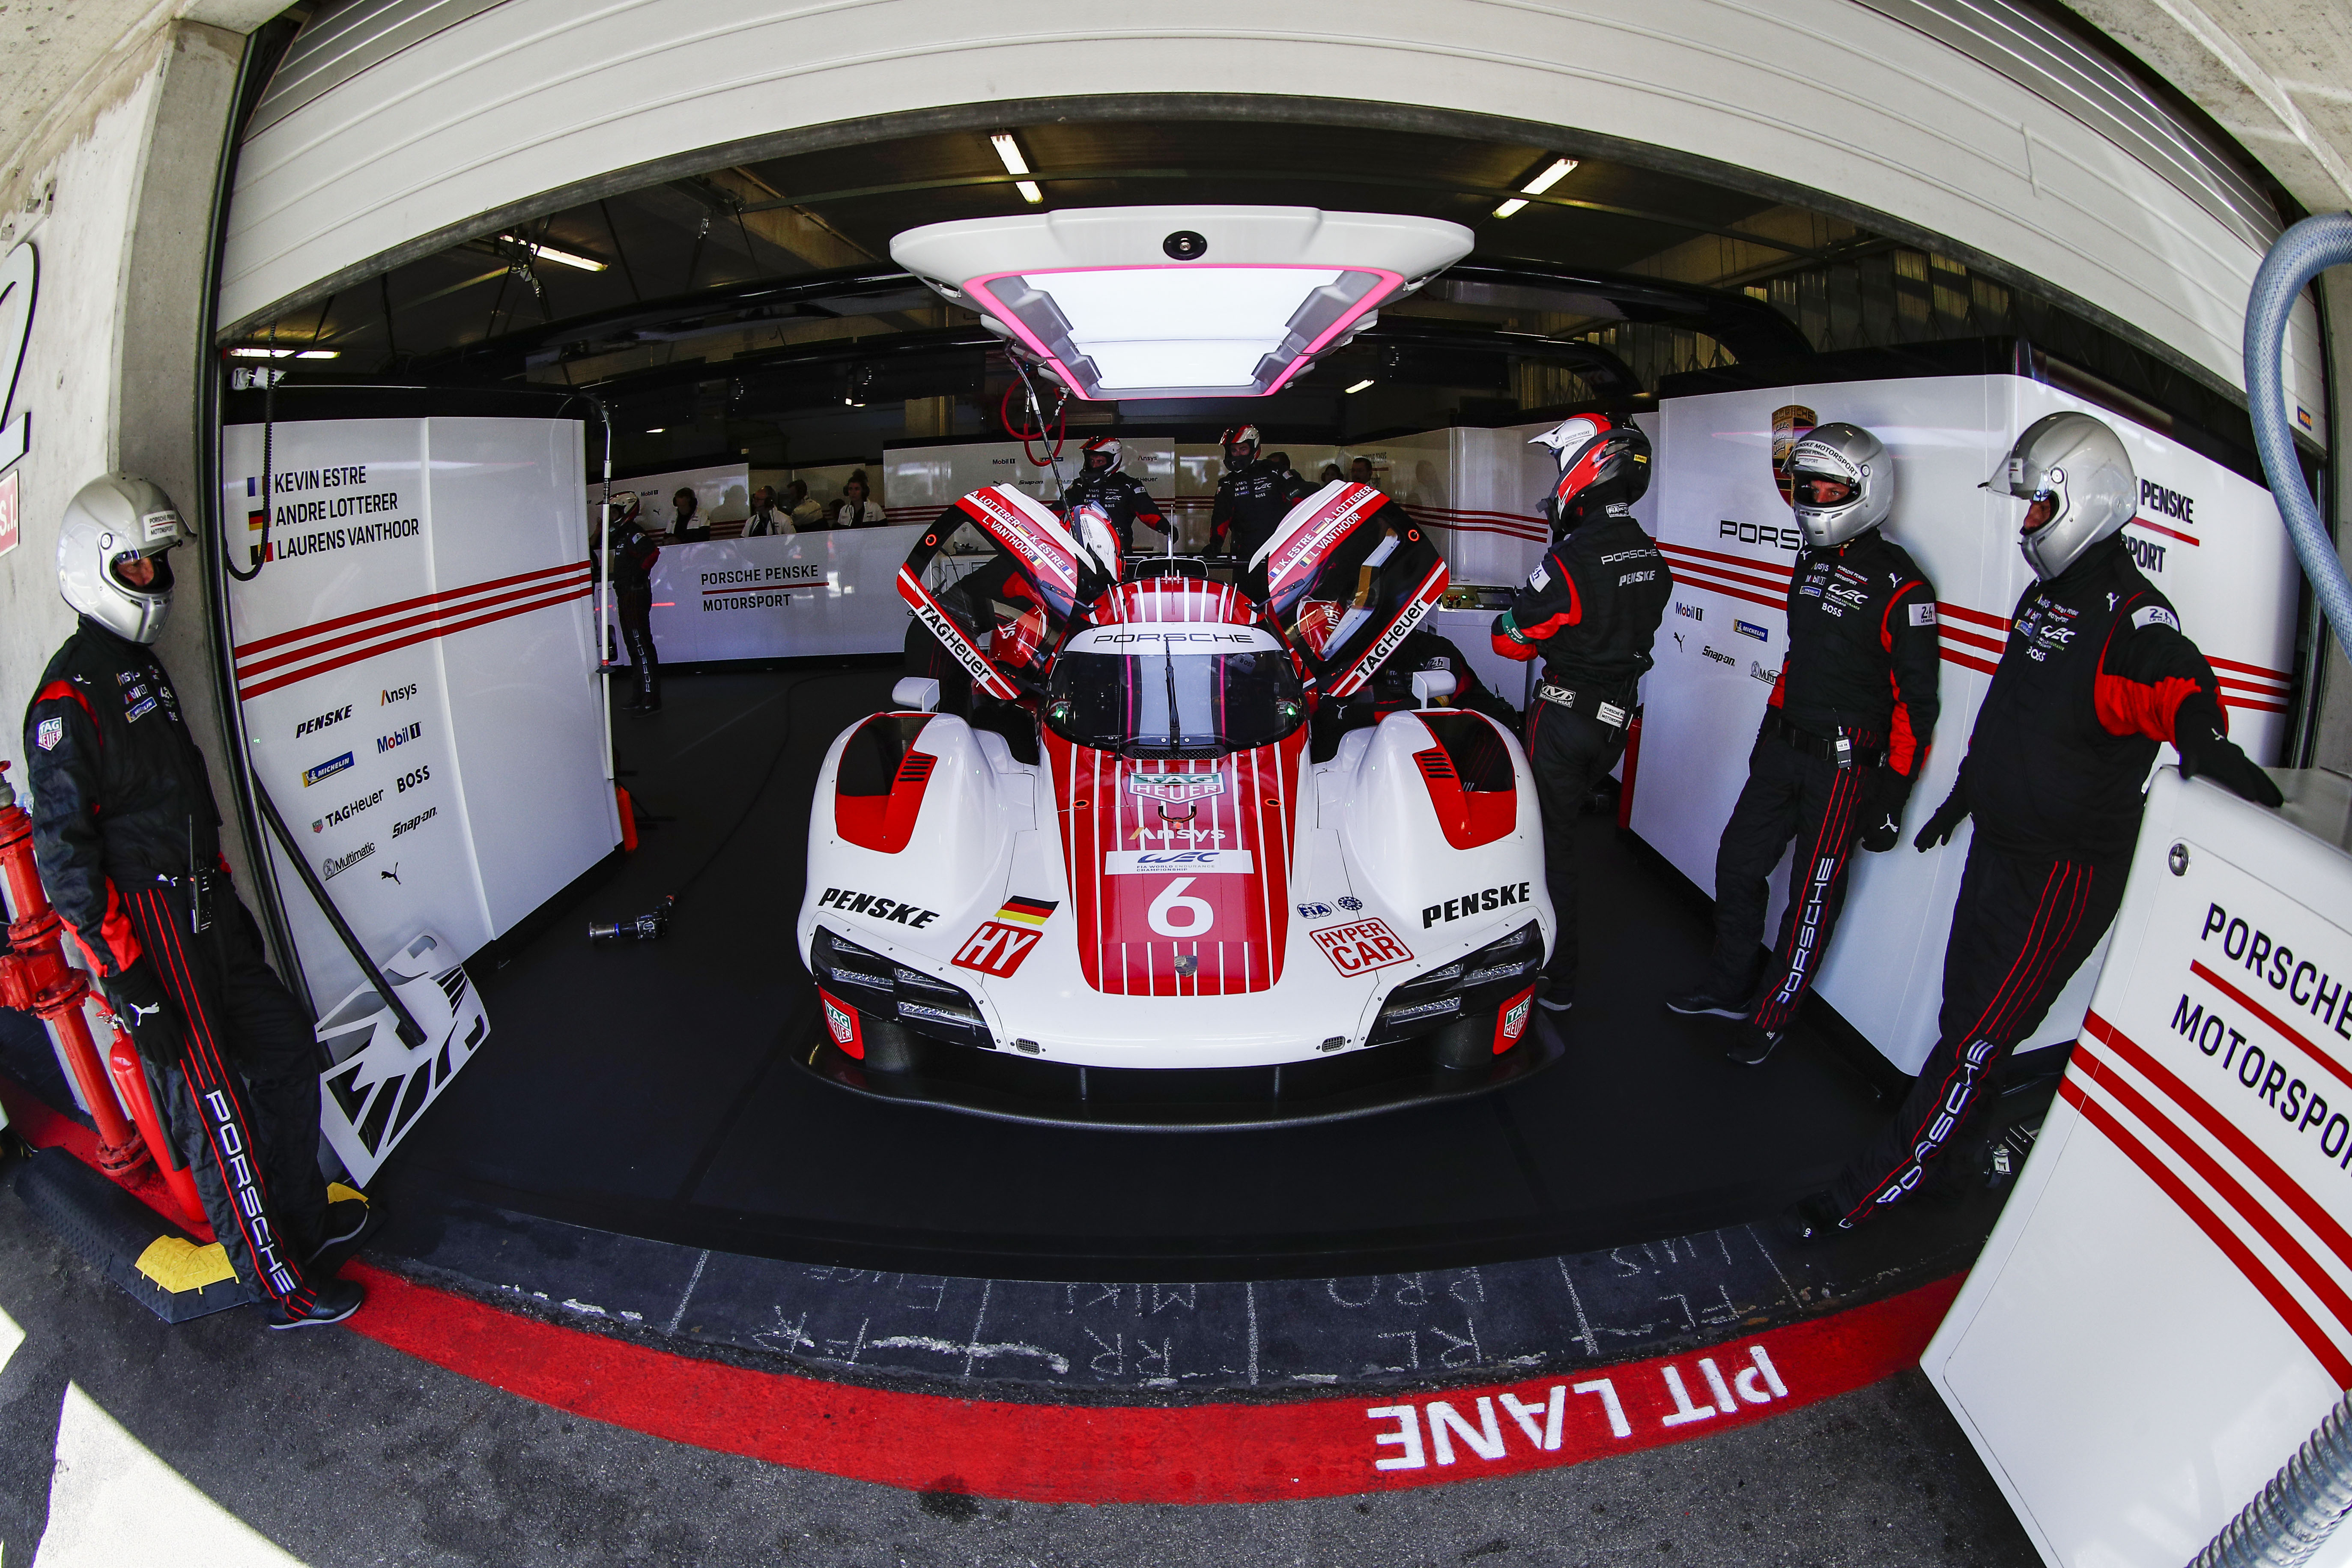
1093,1454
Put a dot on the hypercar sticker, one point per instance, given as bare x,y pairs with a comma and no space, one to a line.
1361,946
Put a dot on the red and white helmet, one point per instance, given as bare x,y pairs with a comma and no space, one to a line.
1106,447
1089,524
1239,435
1601,459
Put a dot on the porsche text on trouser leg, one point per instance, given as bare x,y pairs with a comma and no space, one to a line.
1829,821
2023,926
244,1099
1569,752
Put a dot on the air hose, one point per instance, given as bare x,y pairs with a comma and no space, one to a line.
2302,1505
2299,255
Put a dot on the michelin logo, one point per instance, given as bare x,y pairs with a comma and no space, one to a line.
326,770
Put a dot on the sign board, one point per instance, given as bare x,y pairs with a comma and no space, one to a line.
416,666
2164,1311
2207,537
781,596
10,528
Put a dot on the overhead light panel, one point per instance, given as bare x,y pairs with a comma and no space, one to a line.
561,258
657,429
1358,386
1008,149
1168,302
1559,170
255,352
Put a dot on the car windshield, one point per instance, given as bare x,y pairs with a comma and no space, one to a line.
1174,689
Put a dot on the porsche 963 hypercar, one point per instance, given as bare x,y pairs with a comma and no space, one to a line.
1116,884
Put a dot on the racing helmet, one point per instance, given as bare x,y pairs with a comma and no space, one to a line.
1841,482
2076,478
1239,435
1105,448
1601,459
1090,526
109,524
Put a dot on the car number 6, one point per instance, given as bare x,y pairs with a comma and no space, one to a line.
1173,900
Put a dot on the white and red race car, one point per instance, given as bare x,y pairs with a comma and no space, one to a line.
1120,888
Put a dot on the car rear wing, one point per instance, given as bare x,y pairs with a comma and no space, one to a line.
1347,577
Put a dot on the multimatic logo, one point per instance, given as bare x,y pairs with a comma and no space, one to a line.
336,866
311,726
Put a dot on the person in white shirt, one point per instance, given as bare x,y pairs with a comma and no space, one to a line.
806,511
767,517
856,511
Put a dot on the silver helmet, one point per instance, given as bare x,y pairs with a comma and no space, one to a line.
1841,482
2076,478
109,526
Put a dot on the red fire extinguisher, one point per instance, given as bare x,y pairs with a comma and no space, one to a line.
35,978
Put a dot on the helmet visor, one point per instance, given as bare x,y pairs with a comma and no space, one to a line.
142,574
2043,510
1815,490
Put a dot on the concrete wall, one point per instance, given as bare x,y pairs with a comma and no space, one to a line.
118,210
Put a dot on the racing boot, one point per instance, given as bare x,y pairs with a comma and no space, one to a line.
1706,1003
1753,1044
331,1300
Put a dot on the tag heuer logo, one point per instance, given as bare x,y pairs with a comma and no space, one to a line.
1176,788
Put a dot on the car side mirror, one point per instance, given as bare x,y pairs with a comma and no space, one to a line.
920,692
1432,688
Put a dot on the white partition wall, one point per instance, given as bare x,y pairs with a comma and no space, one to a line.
1732,540
416,666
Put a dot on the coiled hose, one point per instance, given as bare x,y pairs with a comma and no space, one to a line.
2300,1508
2299,255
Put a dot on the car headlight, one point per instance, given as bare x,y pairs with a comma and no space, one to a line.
896,993
1481,980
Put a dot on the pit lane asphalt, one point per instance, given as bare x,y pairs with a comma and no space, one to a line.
343,1451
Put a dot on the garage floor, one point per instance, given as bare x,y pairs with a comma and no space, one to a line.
648,1088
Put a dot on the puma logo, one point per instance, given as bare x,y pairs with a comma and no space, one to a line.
139,1015
392,876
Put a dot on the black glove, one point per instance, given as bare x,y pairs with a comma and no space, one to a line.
145,1010
1948,817
1882,799
2201,735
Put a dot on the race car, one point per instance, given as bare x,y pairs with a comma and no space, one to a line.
1119,885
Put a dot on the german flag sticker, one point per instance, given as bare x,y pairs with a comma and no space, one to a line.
1027,911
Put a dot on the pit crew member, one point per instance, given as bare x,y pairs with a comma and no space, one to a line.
1252,497
1843,737
127,840
2096,674
633,555
1124,501
1591,610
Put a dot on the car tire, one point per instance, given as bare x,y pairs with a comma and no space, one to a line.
889,1047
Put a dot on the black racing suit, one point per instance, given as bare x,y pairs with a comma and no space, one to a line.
1591,608
2096,672
1123,500
127,840
633,555
1251,503
1862,668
